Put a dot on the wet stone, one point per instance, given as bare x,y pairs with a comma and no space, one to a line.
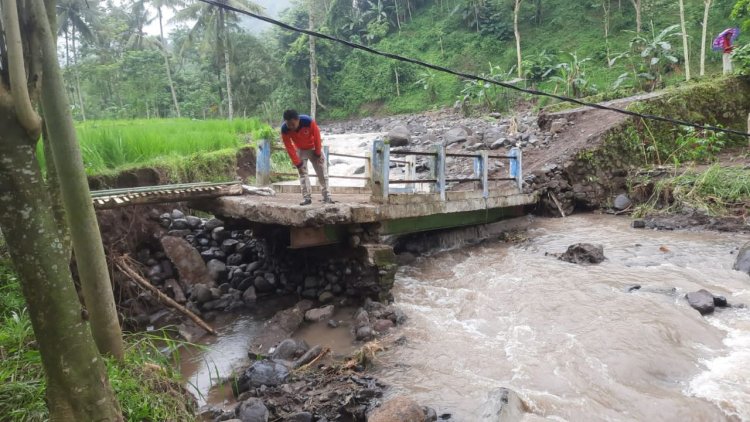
702,301
180,224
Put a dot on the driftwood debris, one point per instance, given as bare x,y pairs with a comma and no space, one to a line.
124,266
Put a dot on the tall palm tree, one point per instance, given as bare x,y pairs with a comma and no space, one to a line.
169,4
213,22
76,17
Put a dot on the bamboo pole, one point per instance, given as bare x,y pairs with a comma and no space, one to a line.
123,266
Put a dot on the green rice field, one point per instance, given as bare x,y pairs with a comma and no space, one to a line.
111,145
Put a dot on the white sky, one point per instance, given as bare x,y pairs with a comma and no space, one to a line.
272,9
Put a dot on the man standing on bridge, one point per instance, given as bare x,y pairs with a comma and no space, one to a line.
301,137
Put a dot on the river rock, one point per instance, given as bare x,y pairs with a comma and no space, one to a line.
201,293
325,297
187,260
502,404
319,314
398,409
702,301
193,221
286,350
622,202
720,302
558,125
455,136
252,410
249,296
742,263
299,417
584,253
430,415
382,325
212,224
364,333
264,372
177,293
399,136
217,270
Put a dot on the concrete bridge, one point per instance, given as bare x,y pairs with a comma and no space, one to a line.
392,199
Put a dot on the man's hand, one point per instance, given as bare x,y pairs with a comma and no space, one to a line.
299,165
321,159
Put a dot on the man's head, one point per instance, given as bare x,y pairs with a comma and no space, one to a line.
291,117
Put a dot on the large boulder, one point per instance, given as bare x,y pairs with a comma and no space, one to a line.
399,136
456,135
622,202
399,409
217,270
252,410
702,301
263,372
319,314
742,263
187,260
584,253
502,405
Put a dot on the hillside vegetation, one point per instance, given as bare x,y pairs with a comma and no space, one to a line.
568,42
126,73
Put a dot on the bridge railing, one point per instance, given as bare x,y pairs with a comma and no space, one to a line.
264,170
378,162
438,179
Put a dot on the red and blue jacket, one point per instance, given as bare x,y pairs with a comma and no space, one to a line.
307,136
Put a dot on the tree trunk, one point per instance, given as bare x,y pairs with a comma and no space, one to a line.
516,11
75,75
313,63
538,15
707,4
606,6
685,46
53,187
77,385
166,65
637,6
398,89
398,22
224,45
87,242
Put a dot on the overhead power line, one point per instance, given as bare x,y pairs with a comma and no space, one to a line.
534,92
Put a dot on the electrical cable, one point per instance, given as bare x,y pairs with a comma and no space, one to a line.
442,69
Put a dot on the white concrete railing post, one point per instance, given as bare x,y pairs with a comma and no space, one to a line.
380,171
263,163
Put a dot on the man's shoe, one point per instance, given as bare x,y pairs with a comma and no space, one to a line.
306,202
328,200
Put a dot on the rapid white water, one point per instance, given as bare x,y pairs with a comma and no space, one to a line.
570,339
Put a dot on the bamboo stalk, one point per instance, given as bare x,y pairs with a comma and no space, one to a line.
130,272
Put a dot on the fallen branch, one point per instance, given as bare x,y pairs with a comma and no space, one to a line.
324,352
123,266
557,203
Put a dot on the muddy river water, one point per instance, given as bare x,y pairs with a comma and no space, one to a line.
569,339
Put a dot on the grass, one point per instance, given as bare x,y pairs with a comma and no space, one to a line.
715,191
111,145
146,385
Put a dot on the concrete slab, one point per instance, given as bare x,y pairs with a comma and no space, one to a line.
283,209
